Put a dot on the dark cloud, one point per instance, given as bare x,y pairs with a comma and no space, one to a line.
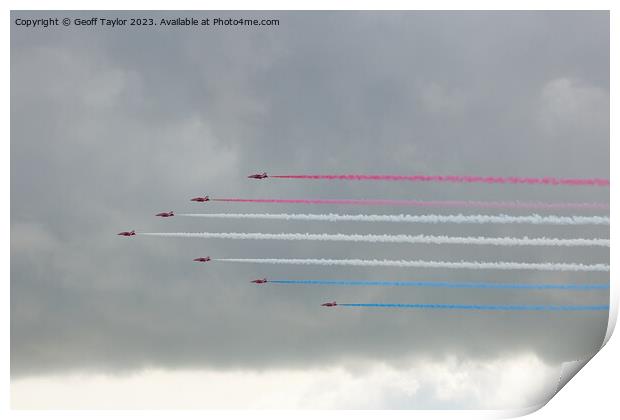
110,127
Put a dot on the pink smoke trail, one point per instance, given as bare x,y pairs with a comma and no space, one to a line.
600,182
416,203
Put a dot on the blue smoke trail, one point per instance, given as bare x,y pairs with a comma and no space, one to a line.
483,307
454,285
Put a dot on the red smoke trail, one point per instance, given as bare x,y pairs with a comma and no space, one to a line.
415,203
458,179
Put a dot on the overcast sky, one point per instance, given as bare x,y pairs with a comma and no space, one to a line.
109,127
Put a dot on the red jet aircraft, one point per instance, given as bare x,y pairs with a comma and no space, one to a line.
202,259
259,281
201,199
330,304
130,233
259,176
165,214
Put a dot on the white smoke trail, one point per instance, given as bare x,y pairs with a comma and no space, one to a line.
533,219
407,239
475,265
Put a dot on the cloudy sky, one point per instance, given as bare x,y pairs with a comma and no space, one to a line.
112,126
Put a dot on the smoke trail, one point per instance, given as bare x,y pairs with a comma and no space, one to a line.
474,265
408,239
416,203
482,307
533,219
459,179
444,284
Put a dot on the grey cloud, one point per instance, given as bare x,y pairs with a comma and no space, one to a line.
110,127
